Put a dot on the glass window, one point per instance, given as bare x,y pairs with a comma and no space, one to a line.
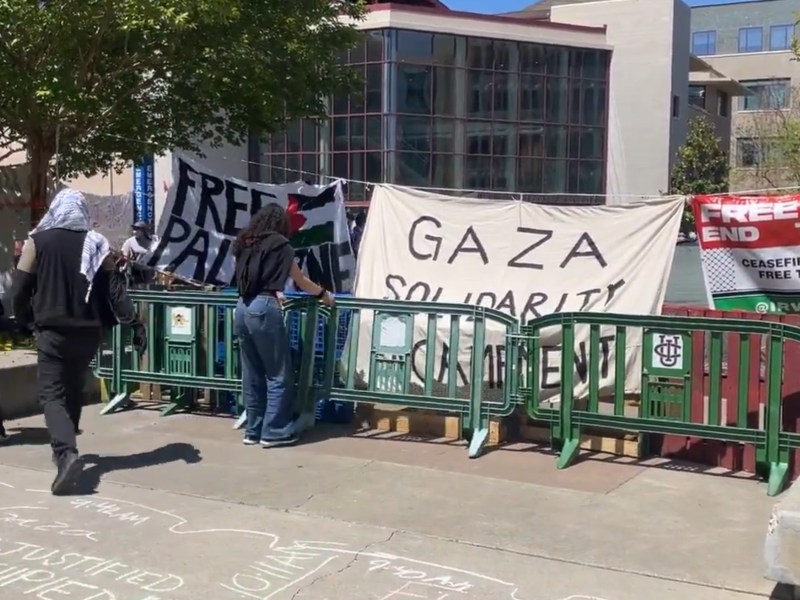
374,89
358,97
443,171
557,97
479,137
780,37
555,176
573,169
358,53
356,166
531,98
555,137
444,91
374,133
575,105
278,171
504,139
357,138
413,168
723,104
590,177
414,46
310,129
557,61
574,143
575,62
504,88
340,104
414,134
592,140
594,64
414,89
531,140
748,153
373,170
531,58
697,96
504,54
478,175
529,174
293,167
277,142
751,39
503,172
340,165
766,95
704,43
293,139
339,134
480,53
444,135
444,49
594,103
375,45
479,89
310,166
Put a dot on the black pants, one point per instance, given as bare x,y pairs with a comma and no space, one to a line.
64,355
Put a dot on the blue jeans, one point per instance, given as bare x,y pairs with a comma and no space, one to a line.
267,383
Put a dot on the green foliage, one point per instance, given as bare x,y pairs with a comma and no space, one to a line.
702,163
104,81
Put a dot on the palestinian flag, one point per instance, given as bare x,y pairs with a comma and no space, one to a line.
312,219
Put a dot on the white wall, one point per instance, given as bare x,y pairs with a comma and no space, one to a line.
645,72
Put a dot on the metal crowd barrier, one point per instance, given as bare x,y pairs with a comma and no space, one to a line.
675,353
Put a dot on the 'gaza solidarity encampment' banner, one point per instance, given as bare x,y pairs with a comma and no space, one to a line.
205,211
750,250
524,259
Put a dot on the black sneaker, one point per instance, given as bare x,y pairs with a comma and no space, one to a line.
289,440
70,466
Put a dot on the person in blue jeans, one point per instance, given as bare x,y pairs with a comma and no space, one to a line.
264,263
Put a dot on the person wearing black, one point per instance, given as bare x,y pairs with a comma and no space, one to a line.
358,232
67,286
264,263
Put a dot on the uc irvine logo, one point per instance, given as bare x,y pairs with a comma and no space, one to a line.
669,350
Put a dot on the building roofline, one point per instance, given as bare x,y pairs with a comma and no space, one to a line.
481,17
729,4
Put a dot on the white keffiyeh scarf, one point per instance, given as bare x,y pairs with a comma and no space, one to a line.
68,210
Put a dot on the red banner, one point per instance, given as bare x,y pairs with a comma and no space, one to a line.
747,221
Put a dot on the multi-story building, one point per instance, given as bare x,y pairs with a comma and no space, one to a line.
751,42
650,103
460,101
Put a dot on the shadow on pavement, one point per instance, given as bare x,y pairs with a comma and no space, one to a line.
27,436
97,466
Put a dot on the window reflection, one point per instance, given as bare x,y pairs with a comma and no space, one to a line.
479,100
413,168
555,176
444,49
480,53
444,89
414,133
594,103
531,98
556,100
414,46
443,171
531,58
414,89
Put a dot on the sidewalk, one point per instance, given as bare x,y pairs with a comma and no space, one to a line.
184,511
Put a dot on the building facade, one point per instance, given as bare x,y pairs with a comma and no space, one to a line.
751,42
459,101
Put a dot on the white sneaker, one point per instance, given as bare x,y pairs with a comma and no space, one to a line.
249,442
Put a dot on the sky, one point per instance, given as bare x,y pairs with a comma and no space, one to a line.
499,6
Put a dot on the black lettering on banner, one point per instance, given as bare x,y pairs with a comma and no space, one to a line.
469,237
323,265
420,291
210,187
550,362
259,200
182,188
177,231
516,261
494,362
418,363
612,289
592,252
219,262
437,241
233,207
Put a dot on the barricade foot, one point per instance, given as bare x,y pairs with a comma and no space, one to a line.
778,474
477,443
305,421
569,452
116,403
240,421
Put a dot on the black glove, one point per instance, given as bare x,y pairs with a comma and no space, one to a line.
140,338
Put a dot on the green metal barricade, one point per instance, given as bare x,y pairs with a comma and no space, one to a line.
666,353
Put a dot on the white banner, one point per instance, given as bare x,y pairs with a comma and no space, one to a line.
523,259
205,211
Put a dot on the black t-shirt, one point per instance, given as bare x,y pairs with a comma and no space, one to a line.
264,266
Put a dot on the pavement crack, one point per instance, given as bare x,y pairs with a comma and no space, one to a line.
331,489
349,564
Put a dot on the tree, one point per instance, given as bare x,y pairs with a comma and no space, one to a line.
768,140
97,83
701,167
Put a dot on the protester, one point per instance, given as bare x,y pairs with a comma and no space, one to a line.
358,231
134,249
264,263
67,287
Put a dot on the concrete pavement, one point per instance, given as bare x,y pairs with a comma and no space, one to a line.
183,510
